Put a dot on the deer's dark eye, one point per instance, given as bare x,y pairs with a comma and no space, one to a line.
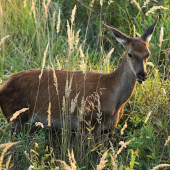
130,55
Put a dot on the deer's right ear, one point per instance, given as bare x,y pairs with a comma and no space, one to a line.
148,33
120,37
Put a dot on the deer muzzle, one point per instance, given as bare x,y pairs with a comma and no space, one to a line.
141,77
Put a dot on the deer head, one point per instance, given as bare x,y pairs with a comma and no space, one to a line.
136,50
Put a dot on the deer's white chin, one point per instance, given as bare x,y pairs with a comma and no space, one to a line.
140,81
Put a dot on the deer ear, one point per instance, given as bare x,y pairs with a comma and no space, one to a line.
148,33
120,37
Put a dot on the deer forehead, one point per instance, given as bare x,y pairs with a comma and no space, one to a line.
139,48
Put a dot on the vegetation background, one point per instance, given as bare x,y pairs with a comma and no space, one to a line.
77,40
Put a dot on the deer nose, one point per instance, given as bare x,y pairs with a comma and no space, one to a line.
142,76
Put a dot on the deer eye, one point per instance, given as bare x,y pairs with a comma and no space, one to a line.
130,55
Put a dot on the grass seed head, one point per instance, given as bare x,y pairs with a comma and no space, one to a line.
7,146
145,3
74,103
39,124
43,64
3,39
161,37
46,5
55,79
58,21
101,3
123,145
17,113
92,2
137,4
1,11
33,9
168,140
148,115
73,15
102,163
151,10
49,115
25,4
8,162
160,166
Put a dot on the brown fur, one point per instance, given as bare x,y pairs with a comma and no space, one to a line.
111,91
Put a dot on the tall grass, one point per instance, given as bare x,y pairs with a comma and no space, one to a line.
70,36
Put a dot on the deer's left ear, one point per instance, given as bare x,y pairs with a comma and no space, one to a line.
148,33
120,37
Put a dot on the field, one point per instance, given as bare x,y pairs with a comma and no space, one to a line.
69,35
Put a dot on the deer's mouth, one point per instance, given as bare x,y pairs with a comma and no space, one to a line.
140,79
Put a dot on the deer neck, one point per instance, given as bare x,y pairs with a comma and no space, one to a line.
125,79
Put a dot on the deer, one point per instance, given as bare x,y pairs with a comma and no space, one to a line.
103,95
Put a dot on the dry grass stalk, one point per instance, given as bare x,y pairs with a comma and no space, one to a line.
54,15
8,162
64,165
17,113
3,39
148,115
31,167
7,146
102,161
99,114
70,36
68,87
138,34
167,51
134,31
55,79
1,11
39,124
64,104
33,9
161,37
82,63
74,103
43,64
101,2
73,15
124,127
110,1
137,4
160,166
58,21
168,140
123,145
150,64
77,38
151,10
106,60
4,144
82,108
145,3
71,160
46,5
92,2
25,3
59,65
113,163
49,114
